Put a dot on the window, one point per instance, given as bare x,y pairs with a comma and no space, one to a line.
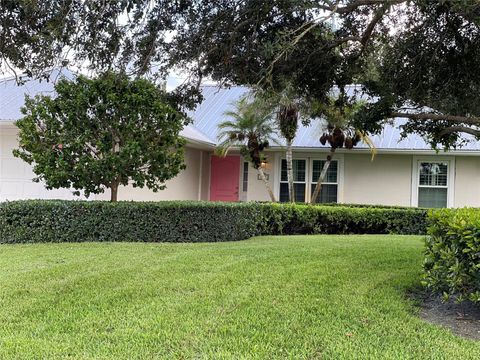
329,190
245,177
433,184
299,180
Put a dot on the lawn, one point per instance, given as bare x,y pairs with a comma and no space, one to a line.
326,297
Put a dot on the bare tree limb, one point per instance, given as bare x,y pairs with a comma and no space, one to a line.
358,3
471,120
459,129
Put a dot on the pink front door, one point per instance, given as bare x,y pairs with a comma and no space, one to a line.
225,173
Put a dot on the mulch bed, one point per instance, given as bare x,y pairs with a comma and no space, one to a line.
462,319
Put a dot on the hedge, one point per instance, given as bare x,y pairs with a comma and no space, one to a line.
291,219
452,259
183,221
75,221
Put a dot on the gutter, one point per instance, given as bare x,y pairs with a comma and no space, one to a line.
383,151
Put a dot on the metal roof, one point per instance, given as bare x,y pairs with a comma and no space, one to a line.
12,95
12,98
211,112
217,101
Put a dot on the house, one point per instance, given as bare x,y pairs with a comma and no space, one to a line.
404,171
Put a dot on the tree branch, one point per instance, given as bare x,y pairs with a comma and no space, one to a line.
358,3
457,129
471,120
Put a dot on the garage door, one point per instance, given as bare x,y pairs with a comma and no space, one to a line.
16,175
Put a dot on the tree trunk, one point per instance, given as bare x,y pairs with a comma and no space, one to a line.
267,184
289,156
318,187
113,192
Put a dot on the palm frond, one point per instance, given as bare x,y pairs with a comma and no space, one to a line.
368,141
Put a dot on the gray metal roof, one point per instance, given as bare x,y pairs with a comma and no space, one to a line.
12,98
217,101
12,95
210,113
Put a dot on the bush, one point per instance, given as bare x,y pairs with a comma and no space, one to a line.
452,259
75,221
183,221
318,219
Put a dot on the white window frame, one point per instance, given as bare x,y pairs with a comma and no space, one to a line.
417,160
245,179
295,182
308,174
313,181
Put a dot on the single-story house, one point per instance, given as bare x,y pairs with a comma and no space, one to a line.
404,171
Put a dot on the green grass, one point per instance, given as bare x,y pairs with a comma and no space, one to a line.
326,297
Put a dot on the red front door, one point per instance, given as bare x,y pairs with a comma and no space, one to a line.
224,177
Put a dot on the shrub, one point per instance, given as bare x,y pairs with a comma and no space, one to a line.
452,259
317,219
184,221
74,221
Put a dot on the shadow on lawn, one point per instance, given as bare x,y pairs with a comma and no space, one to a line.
462,319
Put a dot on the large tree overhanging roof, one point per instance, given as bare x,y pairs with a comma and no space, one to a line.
217,101
210,113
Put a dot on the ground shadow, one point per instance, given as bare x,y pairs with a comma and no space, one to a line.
462,319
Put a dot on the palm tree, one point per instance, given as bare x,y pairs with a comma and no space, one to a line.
251,129
289,108
339,115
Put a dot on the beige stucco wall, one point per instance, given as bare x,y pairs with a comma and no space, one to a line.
186,186
16,175
467,181
205,184
386,180
256,188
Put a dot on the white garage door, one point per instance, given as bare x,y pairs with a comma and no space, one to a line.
16,175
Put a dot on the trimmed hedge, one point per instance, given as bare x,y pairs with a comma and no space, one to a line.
184,221
452,258
76,221
293,219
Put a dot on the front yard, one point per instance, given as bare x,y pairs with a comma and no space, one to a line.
329,297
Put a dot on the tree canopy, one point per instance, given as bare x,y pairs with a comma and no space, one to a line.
418,57
101,133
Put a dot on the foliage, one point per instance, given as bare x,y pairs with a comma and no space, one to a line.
340,115
452,258
177,221
425,70
291,219
427,73
73,221
251,128
102,133
183,301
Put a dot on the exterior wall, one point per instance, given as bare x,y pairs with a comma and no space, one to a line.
467,181
187,185
16,178
256,188
16,175
205,183
386,180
